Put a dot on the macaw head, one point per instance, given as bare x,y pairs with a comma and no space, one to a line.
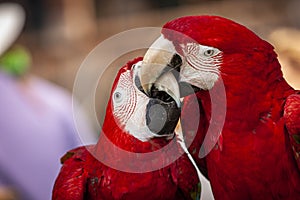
142,116
204,49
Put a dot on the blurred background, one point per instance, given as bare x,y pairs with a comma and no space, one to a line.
59,34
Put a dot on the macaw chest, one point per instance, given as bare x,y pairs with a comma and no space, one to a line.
256,164
113,184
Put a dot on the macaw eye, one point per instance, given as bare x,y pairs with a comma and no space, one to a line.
209,52
118,97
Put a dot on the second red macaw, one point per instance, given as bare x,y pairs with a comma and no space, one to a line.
255,153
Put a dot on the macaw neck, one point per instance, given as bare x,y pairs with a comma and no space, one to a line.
122,139
254,87
120,150
248,100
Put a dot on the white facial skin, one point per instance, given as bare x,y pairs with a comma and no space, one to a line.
200,65
129,106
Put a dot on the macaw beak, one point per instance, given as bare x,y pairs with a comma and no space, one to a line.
156,72
155,62
164,106
160,62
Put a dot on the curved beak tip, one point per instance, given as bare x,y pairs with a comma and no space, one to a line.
155,60
155,70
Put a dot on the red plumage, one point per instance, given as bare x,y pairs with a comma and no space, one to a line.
258,150
83,176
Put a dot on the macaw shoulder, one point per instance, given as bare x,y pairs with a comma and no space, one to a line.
292,123
72,179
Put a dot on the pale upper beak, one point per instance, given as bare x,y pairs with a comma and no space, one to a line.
156,70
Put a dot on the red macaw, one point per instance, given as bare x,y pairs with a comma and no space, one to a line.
133,124
255,153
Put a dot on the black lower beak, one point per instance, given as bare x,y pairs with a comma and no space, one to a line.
162,113
187,89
